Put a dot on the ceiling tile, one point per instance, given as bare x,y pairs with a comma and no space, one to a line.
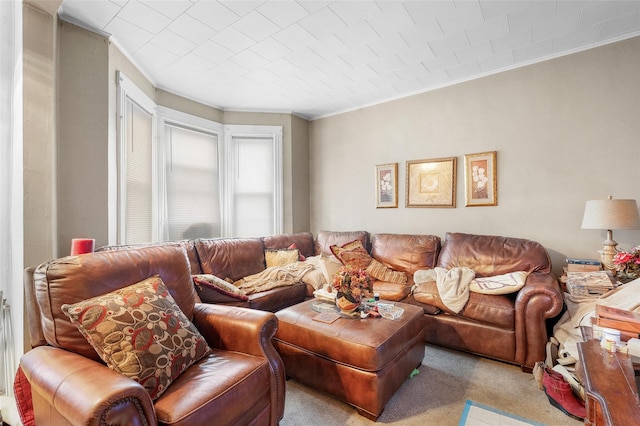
489,30
154,58
556,27
602,12
213,14
628,24
213,51
497,61
126,31
525,18
322,23
449,43
492,9
391,21
249,60
420,34
282,13
358,35
294,37
144,17
424,12
362,56
239,7
194,63
169,8
513,40
191,29
328,47
475,52
233,39
465,14
585,36
270,49
441,62
173,42
256,26
354,12
463,71
530,52
312,6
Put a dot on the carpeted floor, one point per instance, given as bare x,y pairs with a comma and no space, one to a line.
436,396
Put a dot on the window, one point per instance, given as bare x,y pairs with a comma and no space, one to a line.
135,160
255,184
192,176
198,179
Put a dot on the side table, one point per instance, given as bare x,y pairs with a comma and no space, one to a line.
611,394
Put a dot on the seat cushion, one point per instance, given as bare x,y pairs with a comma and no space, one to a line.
222,388
496,310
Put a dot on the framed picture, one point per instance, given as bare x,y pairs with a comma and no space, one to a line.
431,183
387,185
480,176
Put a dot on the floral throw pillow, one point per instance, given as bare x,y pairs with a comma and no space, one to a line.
383,273
352,255
139,331
212,289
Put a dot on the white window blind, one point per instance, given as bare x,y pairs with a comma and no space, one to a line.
193,184
254,186
139,177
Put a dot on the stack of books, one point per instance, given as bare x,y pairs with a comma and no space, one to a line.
592,283
626,322
583,265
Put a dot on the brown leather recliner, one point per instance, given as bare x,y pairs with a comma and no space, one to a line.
240,382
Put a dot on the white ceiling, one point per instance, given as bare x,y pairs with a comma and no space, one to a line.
318,58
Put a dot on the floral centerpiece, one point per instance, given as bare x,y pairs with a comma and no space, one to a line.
351,284
628,263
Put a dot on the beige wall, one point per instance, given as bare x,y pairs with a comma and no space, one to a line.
566,131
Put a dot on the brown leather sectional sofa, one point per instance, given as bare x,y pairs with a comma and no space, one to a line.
511,328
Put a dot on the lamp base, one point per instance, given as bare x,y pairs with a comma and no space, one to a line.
606,255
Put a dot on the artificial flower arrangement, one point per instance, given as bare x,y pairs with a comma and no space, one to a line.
628,262
352,282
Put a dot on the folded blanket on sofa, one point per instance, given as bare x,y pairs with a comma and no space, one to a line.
274,277
453,284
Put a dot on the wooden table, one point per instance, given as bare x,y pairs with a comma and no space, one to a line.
610,387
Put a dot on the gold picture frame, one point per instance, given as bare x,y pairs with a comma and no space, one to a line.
431,183
387,185
480,176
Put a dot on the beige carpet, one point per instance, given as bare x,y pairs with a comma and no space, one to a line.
436,396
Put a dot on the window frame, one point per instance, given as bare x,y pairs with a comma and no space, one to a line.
128,90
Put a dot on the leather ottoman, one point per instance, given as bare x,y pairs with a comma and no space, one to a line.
360,361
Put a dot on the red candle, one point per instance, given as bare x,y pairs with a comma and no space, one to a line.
82,245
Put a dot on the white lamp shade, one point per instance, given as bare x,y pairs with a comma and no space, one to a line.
611,214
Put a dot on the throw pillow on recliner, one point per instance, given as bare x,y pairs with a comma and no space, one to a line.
139,331
212,289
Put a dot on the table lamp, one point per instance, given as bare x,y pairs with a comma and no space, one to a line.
610,214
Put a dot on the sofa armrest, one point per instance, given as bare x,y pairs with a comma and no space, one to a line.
248,331
68,388
539,300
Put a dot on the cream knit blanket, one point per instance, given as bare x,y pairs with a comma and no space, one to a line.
453,284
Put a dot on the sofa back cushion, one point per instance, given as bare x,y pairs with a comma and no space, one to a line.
407,253
189,246
326,239
302,240
232,258
491,255
73,279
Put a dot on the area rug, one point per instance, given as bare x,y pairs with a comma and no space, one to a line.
475,414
